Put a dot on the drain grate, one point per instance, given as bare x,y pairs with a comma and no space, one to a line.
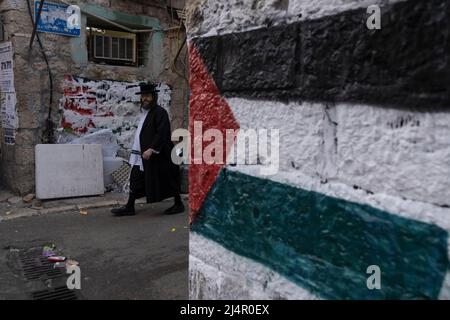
35,266
42,280
59,293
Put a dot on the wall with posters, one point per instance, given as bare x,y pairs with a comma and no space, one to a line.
88,106
67,56
363,184
8,112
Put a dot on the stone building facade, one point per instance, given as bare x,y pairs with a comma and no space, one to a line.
90,92
364,161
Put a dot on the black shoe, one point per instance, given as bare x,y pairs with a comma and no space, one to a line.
123,211
176,208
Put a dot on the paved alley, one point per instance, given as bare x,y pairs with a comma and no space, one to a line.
139,257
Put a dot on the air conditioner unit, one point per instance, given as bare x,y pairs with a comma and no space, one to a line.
114,45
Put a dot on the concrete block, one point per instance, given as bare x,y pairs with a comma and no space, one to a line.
64,171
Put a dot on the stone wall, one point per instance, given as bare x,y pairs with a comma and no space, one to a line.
363,118
68,57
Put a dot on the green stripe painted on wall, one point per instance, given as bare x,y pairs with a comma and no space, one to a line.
324,244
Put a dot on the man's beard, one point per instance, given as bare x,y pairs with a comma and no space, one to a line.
146,105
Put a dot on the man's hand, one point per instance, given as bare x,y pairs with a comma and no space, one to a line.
147,154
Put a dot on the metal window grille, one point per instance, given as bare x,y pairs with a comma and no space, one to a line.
114,48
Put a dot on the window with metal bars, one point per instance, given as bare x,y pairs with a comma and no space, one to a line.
142,48
113,47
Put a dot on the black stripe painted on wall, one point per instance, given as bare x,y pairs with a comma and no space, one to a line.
336,58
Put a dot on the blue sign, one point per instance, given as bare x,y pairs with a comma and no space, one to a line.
59,18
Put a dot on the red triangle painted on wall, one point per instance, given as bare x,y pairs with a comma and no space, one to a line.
206,105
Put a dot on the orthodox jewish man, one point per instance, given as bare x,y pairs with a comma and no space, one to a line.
153,174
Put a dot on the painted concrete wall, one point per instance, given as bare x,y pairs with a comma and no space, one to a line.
68,57
364,173
88,106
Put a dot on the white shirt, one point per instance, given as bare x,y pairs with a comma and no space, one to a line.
136,154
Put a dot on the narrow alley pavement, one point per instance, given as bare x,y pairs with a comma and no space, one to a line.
128,258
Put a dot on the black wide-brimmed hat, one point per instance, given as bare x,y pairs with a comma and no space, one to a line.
147,88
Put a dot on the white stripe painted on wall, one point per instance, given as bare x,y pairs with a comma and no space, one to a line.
396,154
445,290
407,168
233,16
219,274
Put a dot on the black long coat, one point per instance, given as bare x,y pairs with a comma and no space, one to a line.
162,176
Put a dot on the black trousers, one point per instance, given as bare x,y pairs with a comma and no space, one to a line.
137,182
137,187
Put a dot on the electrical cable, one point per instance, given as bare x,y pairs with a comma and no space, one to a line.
173,66
49,124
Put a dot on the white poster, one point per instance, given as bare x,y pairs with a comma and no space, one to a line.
8,110
6,68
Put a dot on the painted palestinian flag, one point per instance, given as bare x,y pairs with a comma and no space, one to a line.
364,161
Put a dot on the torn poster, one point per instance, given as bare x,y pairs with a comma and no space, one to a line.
9,119
91,105
6,68
8,112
